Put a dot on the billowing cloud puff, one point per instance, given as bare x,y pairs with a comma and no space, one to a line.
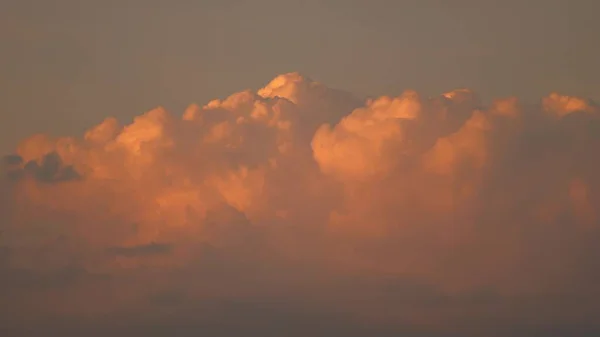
303,207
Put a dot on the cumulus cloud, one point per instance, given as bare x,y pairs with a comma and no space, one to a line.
301,205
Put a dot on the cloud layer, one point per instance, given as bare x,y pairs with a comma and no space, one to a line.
300,209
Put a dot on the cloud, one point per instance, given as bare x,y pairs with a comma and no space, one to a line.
141,250
301,205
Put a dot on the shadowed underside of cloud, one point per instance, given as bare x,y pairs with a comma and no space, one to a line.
141,250
302,210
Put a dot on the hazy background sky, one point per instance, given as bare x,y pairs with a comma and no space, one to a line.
67,64
252,216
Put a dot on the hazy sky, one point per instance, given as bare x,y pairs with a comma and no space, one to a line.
66,64
297,207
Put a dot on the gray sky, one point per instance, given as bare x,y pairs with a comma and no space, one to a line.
68,64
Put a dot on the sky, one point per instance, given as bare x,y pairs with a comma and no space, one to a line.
66,64
315,168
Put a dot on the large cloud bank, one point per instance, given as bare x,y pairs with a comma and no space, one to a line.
302,210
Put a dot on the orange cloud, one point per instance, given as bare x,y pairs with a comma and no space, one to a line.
428,211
